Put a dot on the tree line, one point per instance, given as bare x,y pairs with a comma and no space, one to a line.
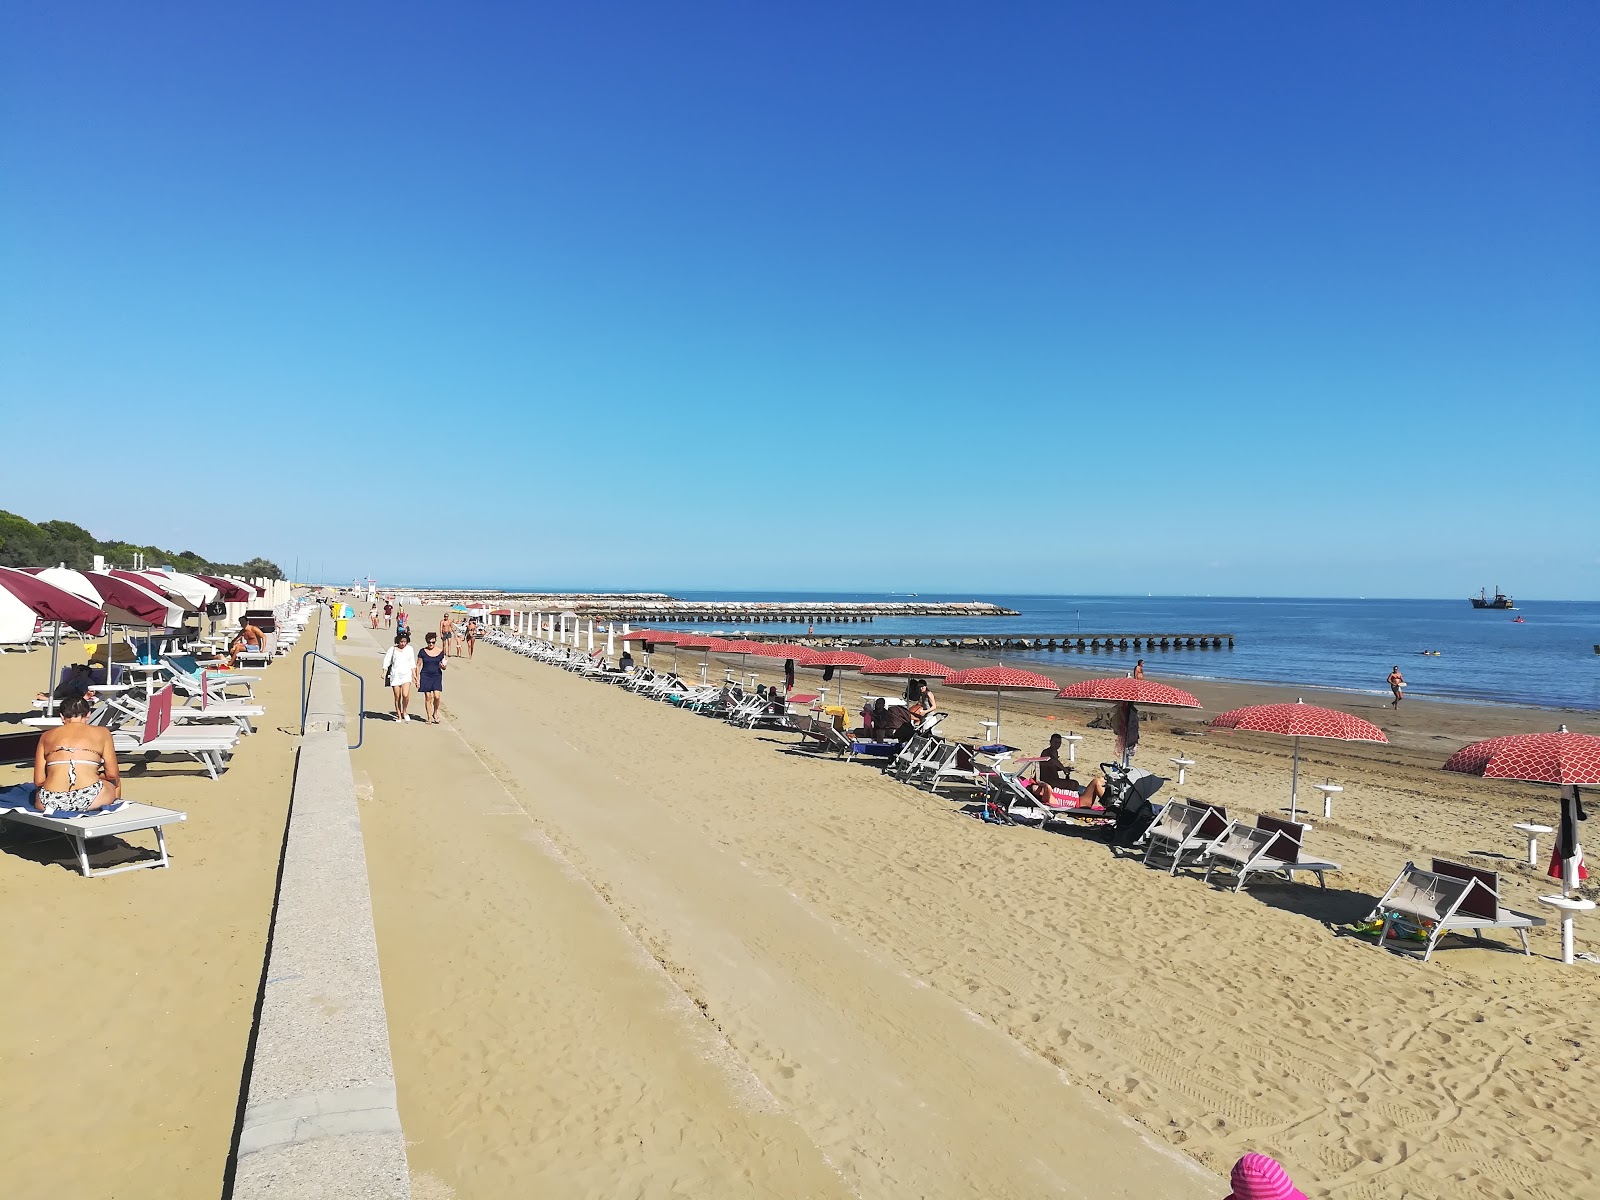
49,543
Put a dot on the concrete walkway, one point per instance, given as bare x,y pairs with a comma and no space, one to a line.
320,1119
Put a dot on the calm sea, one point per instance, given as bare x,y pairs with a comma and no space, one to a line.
1348,644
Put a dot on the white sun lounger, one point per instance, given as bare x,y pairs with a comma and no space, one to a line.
1270,847
79,828
1182,834
1456,898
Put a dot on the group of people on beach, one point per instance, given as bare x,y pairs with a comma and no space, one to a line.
406,668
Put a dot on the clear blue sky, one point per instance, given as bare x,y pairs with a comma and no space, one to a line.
1226,298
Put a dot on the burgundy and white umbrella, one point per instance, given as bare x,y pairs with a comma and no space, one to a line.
161,586
1127,695
230,591
1568,760
1001,679
1299,720
26,599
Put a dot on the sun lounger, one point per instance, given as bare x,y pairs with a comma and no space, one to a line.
1182,833
1455,898
1019,802
79,828
958,765
1270,847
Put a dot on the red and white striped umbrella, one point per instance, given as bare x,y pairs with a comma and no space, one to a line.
1000,679
1570,760
1299,720
1124,689
909,668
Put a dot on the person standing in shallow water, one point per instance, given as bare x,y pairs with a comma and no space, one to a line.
430,679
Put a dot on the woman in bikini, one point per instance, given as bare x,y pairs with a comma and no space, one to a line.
75,766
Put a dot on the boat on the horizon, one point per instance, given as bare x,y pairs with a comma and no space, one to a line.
1501,600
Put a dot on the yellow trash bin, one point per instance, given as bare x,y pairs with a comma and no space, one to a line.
339,624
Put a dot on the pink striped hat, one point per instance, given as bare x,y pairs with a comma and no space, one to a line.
1257,1177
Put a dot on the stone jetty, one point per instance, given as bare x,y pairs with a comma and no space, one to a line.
658,609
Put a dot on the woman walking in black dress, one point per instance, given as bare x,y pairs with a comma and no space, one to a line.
430,679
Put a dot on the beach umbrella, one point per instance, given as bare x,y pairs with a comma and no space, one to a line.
998,680
1127,695
803,656
1568,760
742,647
127,605
196,592
230,591
26,598
828,661
1299,720
909,668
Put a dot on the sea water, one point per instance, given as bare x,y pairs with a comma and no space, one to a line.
1548,659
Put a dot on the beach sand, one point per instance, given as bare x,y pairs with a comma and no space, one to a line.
918,1003
630,951
131,998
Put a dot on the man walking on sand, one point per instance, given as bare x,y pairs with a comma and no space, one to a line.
1396,682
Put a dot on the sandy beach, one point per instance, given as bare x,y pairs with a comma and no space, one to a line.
133,995
821,918
630,951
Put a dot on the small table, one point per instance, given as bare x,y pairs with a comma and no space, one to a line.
1183,764
1072,740
149,670
1533,830
991,730
1569,907
1329,791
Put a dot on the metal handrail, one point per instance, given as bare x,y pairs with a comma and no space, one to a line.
361,699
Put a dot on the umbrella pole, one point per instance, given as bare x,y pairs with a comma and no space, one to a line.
1569,865
1294,784
997,716
50,685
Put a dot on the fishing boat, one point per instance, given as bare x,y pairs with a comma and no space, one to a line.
1481,600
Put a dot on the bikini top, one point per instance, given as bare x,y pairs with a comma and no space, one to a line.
74,763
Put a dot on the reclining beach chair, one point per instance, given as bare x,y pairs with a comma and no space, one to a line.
1181,835
956,764
1270,847
1021,803
210,746
1455,898
79,828
190,679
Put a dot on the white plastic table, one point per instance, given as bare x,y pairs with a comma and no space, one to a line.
1072,740
1329,791
1533,829
150,671
1569,907
1183,764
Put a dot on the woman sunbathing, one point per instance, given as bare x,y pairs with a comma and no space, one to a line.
64,752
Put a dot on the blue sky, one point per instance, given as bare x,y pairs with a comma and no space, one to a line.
1249,299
